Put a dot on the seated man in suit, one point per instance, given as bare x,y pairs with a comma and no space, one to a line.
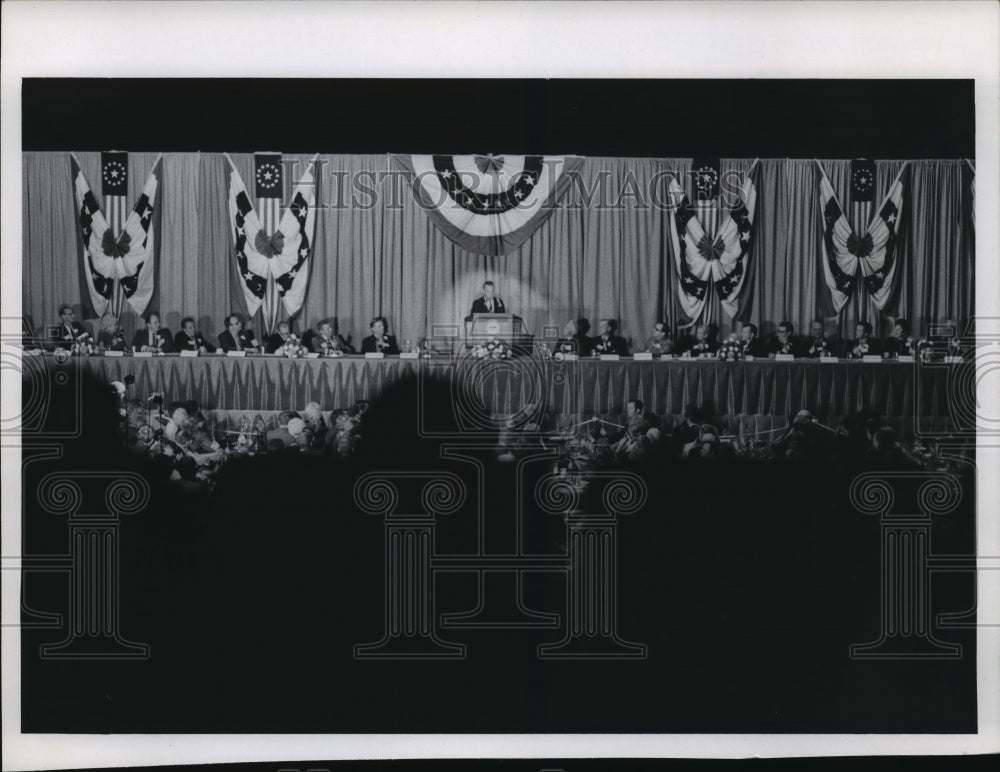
378,340
573,341
659,343
69,330
155,338
863,342
705,342
110,337
606,342
753,346
235,338
783,342
489,303
189,338
819,344
325,342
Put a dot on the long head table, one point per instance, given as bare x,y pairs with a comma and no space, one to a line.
584,387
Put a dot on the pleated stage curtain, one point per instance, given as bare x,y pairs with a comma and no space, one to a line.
604,252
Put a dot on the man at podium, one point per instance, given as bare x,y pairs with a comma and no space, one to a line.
489,303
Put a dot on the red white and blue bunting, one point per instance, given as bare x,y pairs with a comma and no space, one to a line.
704,257
874,251
492,204
120,248
272,252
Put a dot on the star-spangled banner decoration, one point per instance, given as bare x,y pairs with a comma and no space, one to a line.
701,257
844,251
118,262
489,204
272,259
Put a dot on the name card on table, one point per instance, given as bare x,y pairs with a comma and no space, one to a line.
829,360
186,352
643,356
871,358
610,357
142,354
784,357
748,358
312,355
905,359
114,353
409,355
570,357
236,353
953,360
374,355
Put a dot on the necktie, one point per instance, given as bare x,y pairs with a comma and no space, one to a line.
239,343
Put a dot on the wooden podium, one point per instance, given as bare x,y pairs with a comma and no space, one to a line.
509,328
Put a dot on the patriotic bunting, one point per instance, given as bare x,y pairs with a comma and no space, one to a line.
490,204
874,251
120,248
702,256
272,250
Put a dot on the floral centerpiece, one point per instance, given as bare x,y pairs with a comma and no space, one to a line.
731,348
292,347
492,349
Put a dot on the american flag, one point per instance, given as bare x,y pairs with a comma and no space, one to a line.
114,192
269,184
862,194
705,176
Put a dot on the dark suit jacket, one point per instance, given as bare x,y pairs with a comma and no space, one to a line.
64,334
142,339
897,347
389,347
275,342
184,342
226,342
712,347
874,347
479,306
616,345
774,346
335,342
831,346
756,348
